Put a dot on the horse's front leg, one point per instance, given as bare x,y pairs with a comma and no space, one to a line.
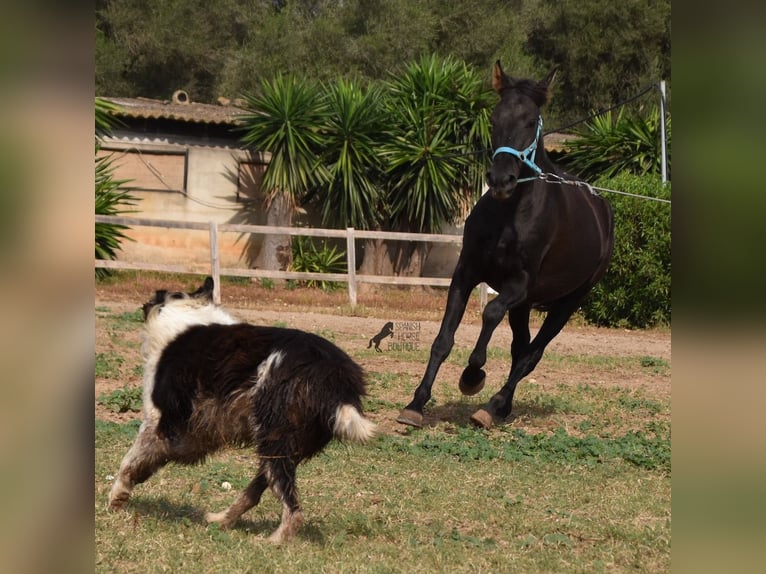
457,299
511,295
473,377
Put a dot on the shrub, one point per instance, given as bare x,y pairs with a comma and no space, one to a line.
308,258
611,144
635,292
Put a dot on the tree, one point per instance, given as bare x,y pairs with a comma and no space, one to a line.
285,120
607,51
151,49
354,123
353,194
439,117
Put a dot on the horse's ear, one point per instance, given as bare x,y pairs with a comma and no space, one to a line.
499,79
546,83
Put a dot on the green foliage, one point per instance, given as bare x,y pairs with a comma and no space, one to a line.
351,136
112,196
122,400
607,51
108,365
650,451
285,120
635,292
610,144
439,114
309,258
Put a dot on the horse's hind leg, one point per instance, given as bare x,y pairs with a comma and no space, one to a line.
247,499
525,357
147,455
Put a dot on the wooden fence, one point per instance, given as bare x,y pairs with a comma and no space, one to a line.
350,234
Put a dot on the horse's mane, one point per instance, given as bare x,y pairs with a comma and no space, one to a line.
536,91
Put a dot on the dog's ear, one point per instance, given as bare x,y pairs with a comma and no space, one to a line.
146,307
160,295
205,291
159,298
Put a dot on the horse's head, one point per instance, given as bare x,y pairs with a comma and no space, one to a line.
516,130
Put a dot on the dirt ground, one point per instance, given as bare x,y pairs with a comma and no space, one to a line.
329,314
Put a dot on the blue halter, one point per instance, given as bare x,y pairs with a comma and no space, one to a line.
527,156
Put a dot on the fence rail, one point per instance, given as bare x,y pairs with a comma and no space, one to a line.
350,234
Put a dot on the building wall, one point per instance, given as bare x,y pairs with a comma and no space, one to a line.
173,180
180,179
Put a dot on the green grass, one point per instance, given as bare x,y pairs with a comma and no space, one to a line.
122,400
580,482
109,365
431,503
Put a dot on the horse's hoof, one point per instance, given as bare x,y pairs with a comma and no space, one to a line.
410,417
472,381
471,389
482,419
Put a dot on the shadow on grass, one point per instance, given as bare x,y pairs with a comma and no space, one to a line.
459,413
168,511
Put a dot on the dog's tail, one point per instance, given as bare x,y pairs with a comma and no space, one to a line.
351,425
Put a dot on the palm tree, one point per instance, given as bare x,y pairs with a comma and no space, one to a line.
354,123
353,196
285,119
435,156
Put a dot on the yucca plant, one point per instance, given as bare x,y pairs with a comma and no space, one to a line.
609,144
112,196
352,134
285,119
439,114
439,128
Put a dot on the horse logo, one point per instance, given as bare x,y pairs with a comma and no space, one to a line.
386,331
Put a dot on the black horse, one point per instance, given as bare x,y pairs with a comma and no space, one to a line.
536,240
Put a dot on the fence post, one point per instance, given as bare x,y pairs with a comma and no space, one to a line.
215,264
351,265
663,136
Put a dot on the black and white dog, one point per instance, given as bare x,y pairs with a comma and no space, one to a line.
211,381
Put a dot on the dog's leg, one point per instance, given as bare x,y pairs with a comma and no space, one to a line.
282,481
248,498
147,455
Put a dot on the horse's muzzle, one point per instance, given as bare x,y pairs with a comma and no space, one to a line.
503,188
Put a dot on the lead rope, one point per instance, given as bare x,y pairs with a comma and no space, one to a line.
555,178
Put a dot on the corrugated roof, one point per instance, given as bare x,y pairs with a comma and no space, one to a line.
185,112
229,115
